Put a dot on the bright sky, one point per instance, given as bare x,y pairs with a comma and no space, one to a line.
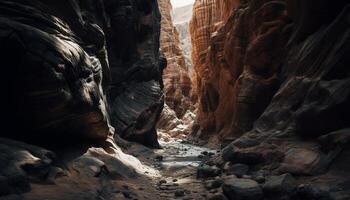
179,3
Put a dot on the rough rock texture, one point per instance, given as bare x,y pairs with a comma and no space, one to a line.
181,18
278,69
237,48
177,83
135,95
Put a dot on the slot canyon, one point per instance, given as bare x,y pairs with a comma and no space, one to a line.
175,99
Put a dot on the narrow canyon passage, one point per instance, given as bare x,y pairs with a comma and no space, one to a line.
175,99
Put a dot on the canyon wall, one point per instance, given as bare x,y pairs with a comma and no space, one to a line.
177,117
73,70
181,18
237,48
177,83
271,77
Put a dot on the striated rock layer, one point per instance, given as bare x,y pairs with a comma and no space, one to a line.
177,83
272,77
237,49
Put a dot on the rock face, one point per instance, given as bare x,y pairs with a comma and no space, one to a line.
271,76
72,70
177,83
135,94
237,48
181,18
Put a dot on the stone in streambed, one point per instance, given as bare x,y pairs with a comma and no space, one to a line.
236,169
242,189
206,171
234,155
284,184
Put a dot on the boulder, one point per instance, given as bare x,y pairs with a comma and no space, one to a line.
242,189
206,171
284,184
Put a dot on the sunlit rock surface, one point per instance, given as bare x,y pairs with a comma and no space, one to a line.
177,83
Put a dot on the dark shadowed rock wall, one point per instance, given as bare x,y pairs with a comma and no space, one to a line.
95,51
75,75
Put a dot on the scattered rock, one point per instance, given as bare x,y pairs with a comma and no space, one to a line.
179,193
242,189
206,171
212,184
284,184
234,155
237,169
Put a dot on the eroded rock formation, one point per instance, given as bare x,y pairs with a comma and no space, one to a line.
177,83
237,49
73,70
271,76
177,115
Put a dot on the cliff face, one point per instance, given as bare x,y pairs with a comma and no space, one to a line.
177,83
182,17
271,76
237,48
73,70
135,93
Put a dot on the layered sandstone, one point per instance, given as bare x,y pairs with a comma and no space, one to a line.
271,76
177,83
181,18
237,48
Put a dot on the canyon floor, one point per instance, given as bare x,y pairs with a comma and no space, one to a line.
174,170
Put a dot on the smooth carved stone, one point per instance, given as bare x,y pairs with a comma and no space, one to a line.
54,83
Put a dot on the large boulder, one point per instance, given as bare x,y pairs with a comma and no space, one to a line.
242,189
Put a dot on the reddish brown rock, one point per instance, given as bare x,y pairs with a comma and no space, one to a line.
237,48
177,83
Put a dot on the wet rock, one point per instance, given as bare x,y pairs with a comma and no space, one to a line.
242,189
237,169
206,171
284,184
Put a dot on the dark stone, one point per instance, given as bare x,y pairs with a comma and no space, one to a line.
212,184
232,154
206,171
217,197
237,169
280,185
242,189
179,193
